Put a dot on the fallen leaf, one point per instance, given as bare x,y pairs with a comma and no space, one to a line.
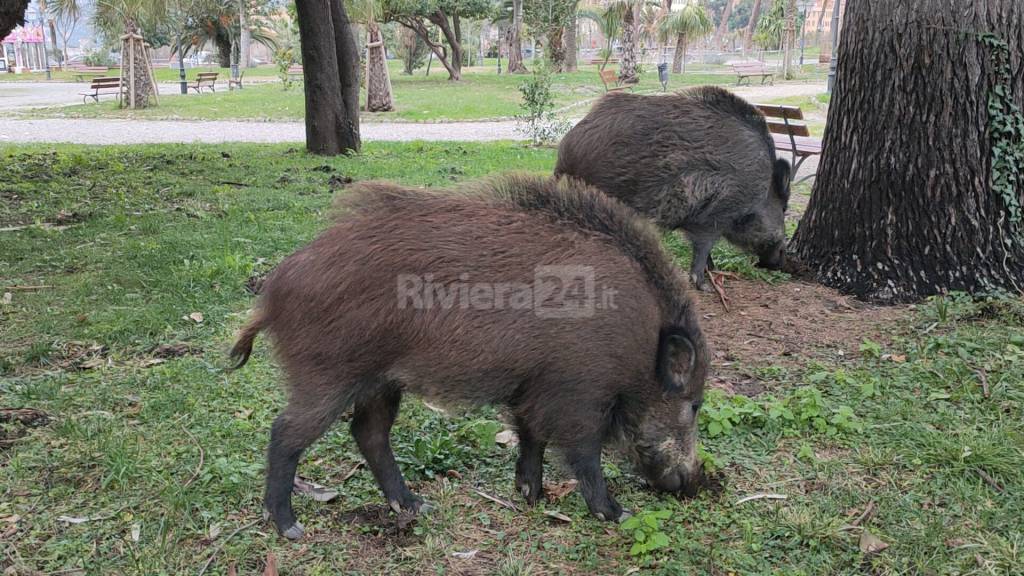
12,519
314,490
467,555
507,438
871,544
557,515
899,358
7,298
72,519
136,531
271,569
91,363
244,413
558,490
173,350
213,531
152,362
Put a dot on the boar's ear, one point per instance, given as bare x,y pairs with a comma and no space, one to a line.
780,179
677,359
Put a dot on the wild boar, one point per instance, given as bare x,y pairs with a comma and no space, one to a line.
549,299
701,160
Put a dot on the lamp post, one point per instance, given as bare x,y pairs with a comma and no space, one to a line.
42,30
182,83
835,46
803,5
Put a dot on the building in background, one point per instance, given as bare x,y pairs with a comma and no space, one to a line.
818,25
23,50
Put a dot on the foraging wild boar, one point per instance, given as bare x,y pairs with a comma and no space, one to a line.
548,298
701,160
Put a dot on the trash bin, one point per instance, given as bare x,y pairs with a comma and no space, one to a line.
663,75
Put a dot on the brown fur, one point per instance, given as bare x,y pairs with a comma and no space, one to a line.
343,340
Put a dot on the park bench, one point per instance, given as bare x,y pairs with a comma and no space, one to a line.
610,78
232,82
749,70
101,87
600,61
205,80
790,134
83,72
294,72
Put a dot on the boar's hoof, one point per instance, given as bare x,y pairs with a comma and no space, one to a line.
294,532
529,494
425,508
412,504
626,515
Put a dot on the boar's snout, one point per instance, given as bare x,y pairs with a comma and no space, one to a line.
682,482
774,257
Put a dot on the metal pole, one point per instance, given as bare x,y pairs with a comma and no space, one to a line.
835,46
182,82
42,29
803,35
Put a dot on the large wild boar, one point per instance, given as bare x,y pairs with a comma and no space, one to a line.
550,299
701,160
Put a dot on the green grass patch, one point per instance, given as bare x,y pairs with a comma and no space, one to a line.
148,467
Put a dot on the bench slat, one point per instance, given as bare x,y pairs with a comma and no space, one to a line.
805,146
779,111
780,127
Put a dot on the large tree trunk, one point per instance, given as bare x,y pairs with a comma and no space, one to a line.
330,63
570,43
452,63
788,39
378,82
515,42
905,204
679,57
755,15
222,39
136,76
627,69
723,26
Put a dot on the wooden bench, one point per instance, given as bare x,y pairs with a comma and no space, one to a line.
83,72
102,87
232,82
610,78
294,72
205,80
600,61
790,134
750,69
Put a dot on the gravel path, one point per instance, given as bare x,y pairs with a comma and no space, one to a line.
101,131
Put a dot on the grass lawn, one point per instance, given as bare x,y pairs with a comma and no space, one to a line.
151,460
481,94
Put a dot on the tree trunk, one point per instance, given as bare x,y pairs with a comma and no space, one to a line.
788,39
378,82
908,202
136,77
245,37
453,63
679,57
223,41
515,42
755,15
627,70
457,30
330,63
555,50
723,26
570,43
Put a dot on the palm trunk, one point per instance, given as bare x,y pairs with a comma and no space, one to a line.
748,36
723,26
556,51
378,81
788,40
908,202
245,36
627,71
679,57
570,43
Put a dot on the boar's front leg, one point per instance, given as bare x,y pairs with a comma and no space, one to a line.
701,259
371,427
585,461
530,465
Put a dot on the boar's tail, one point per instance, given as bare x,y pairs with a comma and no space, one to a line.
242,349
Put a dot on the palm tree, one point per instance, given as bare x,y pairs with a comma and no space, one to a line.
689,22
378,81
609,23
125,19
625,14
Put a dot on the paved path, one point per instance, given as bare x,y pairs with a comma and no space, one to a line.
103,131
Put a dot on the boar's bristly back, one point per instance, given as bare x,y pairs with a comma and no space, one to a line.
572,202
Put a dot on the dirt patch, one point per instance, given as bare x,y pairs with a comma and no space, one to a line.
176,350
786,325
14,423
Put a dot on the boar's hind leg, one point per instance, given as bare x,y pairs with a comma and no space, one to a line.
530,465
585,461
371,427
303,421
